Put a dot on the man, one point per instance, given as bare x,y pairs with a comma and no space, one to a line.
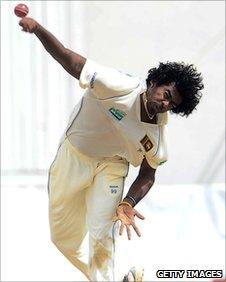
120,120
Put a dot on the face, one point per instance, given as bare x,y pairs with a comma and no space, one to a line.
162,98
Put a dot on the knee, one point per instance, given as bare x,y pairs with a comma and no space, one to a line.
61,246
56,242
66,247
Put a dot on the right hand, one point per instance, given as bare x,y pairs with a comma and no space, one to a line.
28,24
126,215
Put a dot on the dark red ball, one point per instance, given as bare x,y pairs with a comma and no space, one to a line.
21,10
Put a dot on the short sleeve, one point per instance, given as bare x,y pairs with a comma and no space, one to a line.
161,154
106,82
155,164
152,163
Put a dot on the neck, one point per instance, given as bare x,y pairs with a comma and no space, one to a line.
145,114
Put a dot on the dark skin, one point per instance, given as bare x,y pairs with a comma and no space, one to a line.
159,99
162,98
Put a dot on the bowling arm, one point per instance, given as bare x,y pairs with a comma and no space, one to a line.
72,62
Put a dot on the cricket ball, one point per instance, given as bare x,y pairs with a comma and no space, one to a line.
21,10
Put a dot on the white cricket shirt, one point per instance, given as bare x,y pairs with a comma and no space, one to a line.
107,121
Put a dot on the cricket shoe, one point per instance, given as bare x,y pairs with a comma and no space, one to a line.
134,275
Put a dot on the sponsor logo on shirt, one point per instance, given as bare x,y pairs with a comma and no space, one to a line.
146,143
118,114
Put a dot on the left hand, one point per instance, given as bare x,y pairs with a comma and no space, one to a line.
127,215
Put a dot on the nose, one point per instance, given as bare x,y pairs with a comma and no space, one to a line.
165,104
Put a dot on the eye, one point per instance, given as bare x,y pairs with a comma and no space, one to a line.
166,94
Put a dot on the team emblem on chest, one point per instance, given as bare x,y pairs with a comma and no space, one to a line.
118,114
146,143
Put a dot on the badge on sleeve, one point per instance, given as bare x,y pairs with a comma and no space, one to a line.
146,143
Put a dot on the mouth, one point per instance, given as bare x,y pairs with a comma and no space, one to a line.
157,107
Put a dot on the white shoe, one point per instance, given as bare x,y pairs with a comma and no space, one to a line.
134,275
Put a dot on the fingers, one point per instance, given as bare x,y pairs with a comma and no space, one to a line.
136,230
24,26
127,220
28,25
22,22
25,29
139,215
25,20
121,229
128,232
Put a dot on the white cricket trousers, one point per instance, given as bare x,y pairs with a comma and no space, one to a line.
84,193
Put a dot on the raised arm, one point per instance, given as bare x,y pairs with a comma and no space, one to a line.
140,187
70,61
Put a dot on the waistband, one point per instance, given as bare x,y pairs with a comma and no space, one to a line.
82,155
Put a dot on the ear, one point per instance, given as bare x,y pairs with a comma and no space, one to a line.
151,84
